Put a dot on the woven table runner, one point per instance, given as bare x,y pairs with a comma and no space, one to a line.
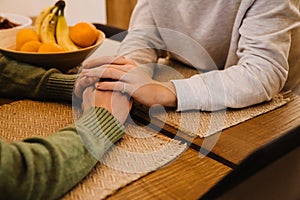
198,123
204,124
138,153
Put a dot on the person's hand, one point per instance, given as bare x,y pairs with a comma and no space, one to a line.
106,60
134,81
83,81
115,102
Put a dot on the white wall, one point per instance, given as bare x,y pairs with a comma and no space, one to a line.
75,11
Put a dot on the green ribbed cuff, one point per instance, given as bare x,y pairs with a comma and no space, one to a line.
99,130
60,86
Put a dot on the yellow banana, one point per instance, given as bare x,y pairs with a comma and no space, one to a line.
62,34
47,30
40,18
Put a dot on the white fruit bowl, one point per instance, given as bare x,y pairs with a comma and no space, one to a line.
64,61
21,20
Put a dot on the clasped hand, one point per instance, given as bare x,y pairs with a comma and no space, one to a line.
124,73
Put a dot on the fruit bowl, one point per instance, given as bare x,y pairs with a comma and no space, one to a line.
64,61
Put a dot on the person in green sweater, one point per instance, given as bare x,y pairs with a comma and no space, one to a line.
48,167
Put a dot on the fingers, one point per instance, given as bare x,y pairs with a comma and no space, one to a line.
124,68
89,77
106,60
83,82
114,86
111,71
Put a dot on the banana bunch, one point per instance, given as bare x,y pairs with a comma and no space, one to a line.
51,26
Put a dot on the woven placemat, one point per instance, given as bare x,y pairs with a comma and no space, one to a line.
138,153
204,124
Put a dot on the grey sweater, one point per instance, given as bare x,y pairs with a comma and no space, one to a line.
246,50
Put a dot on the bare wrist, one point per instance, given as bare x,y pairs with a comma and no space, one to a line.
169,97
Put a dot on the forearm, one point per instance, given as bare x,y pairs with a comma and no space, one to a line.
20,80
38,168
259,66
235,87
46,168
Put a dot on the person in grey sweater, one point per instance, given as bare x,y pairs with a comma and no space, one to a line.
246,52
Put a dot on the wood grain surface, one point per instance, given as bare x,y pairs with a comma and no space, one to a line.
189,177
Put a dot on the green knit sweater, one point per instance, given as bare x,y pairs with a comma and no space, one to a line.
48,167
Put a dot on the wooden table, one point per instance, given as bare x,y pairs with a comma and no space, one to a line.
235,143
190,176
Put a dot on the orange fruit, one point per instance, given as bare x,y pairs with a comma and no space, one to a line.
50,47
31,46
84,34
25,35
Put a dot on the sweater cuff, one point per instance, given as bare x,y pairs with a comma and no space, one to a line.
99,130
60,86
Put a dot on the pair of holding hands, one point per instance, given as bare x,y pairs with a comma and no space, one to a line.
127,77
